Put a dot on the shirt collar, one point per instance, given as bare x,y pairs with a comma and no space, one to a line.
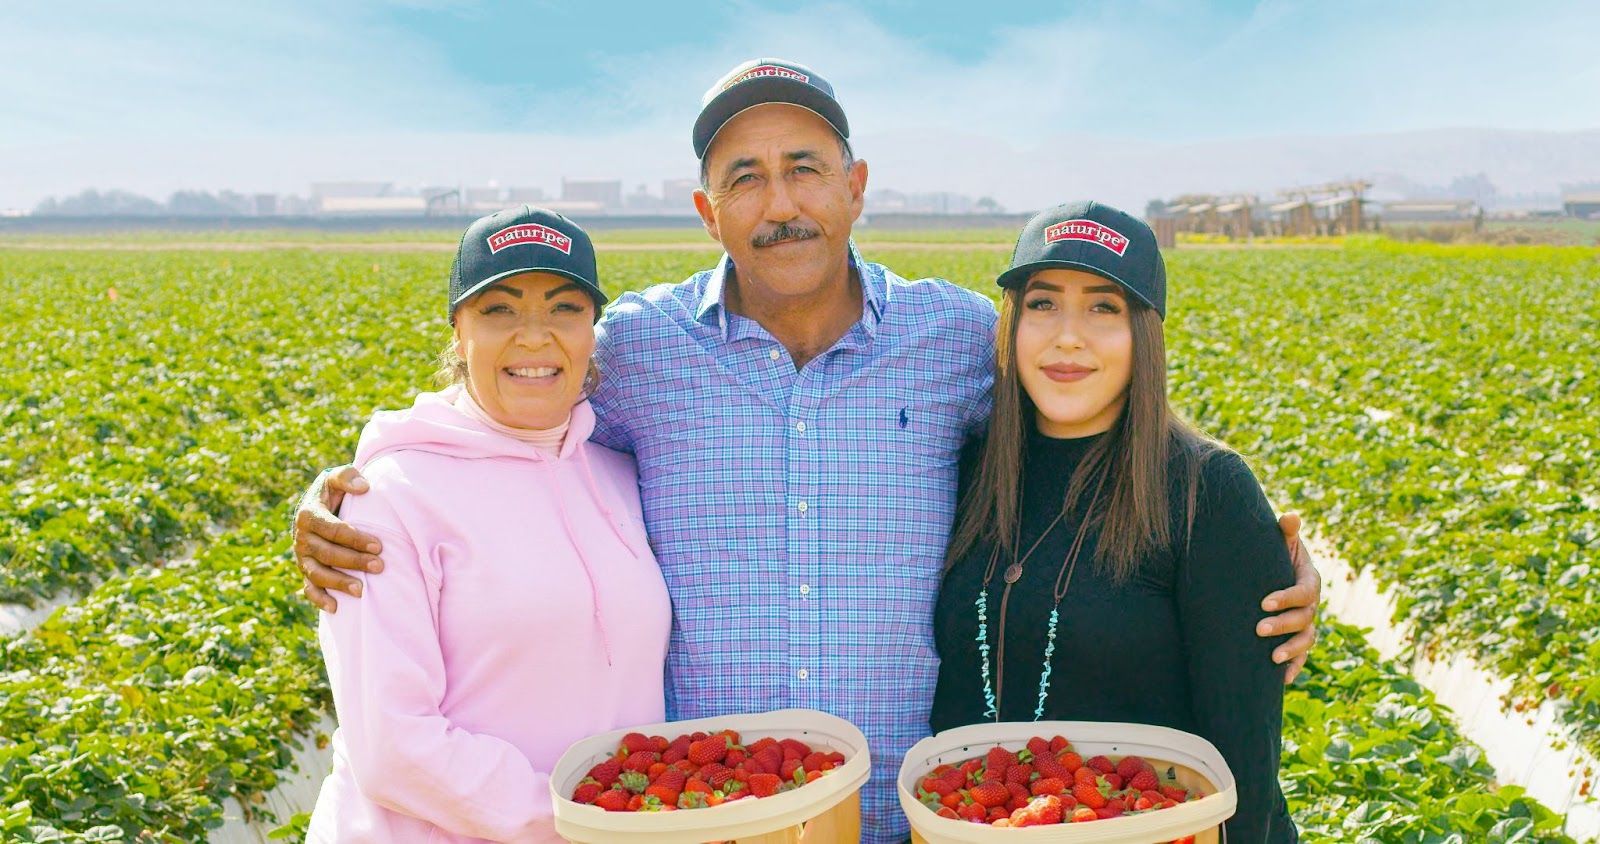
874,292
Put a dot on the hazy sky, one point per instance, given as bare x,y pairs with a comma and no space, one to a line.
157,96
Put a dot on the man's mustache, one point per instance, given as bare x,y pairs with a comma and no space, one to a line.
784,231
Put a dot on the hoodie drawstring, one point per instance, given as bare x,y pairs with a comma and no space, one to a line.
605,510
588,572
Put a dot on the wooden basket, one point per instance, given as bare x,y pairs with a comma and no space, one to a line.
825,811
1195,762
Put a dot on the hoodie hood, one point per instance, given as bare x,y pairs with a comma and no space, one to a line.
435,425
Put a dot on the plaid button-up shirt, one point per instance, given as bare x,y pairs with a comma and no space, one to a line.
800,517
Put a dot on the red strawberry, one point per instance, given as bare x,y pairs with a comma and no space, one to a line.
1085,775
640,761
636,742
606,772
1038,746
836,758
1090,794
708,750
1050,766
734,757
990,794
633,781
764,785
1106,813
1114,780
1172,792
1042,811
664,794
1048,785
1071,761
999,759
587,791
1143,804
671,778
936,785
972,812
1018,791
947,812
787,769
1020,774
1059,744
814,761
769,759
1116,804
998,813
697,784
1130,766
717,774
953,799
1153,796
795,747
614,800
1144,780
1084,813
661,743
760,744
1102,765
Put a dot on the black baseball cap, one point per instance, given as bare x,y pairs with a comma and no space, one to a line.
1095,238
523,240
761,81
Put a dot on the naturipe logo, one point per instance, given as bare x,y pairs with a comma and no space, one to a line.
1087,230
767,70
529,233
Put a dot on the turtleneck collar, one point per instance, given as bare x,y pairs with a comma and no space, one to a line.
547,440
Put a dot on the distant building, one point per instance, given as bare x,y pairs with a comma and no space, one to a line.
642,201
484,200
607,193
265,204
373,205
519,196
350,190
1432,211
677,195
1584,206
941,202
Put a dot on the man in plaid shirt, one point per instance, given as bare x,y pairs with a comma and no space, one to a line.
797,414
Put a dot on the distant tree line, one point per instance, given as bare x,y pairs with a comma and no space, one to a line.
121,203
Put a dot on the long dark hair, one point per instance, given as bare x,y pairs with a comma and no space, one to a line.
1145,445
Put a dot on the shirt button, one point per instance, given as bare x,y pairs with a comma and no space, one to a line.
802,674
805,589
773,354
800,426
801,507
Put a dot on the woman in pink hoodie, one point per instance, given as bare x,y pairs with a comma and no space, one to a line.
522,608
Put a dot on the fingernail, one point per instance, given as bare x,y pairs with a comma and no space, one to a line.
375,566
356,591
1280,657
1263,629
1270,605
373,548
359,486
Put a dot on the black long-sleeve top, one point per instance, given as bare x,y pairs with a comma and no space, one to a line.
1174,645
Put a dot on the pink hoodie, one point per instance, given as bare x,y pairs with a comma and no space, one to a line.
519,610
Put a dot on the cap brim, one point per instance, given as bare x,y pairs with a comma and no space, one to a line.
747,95
1017,276
587,285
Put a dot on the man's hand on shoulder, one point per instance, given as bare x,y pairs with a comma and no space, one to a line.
323,544
1296,607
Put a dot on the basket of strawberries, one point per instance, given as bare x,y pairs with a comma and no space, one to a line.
744,778
1109,783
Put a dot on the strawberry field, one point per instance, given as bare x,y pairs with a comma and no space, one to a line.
1431,411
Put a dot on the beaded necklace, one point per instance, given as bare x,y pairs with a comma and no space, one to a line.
991,698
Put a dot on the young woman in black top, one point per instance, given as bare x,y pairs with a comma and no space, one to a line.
1108,559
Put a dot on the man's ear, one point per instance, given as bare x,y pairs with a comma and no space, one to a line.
858,188
708,213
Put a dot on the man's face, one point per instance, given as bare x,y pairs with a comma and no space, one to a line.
780,199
